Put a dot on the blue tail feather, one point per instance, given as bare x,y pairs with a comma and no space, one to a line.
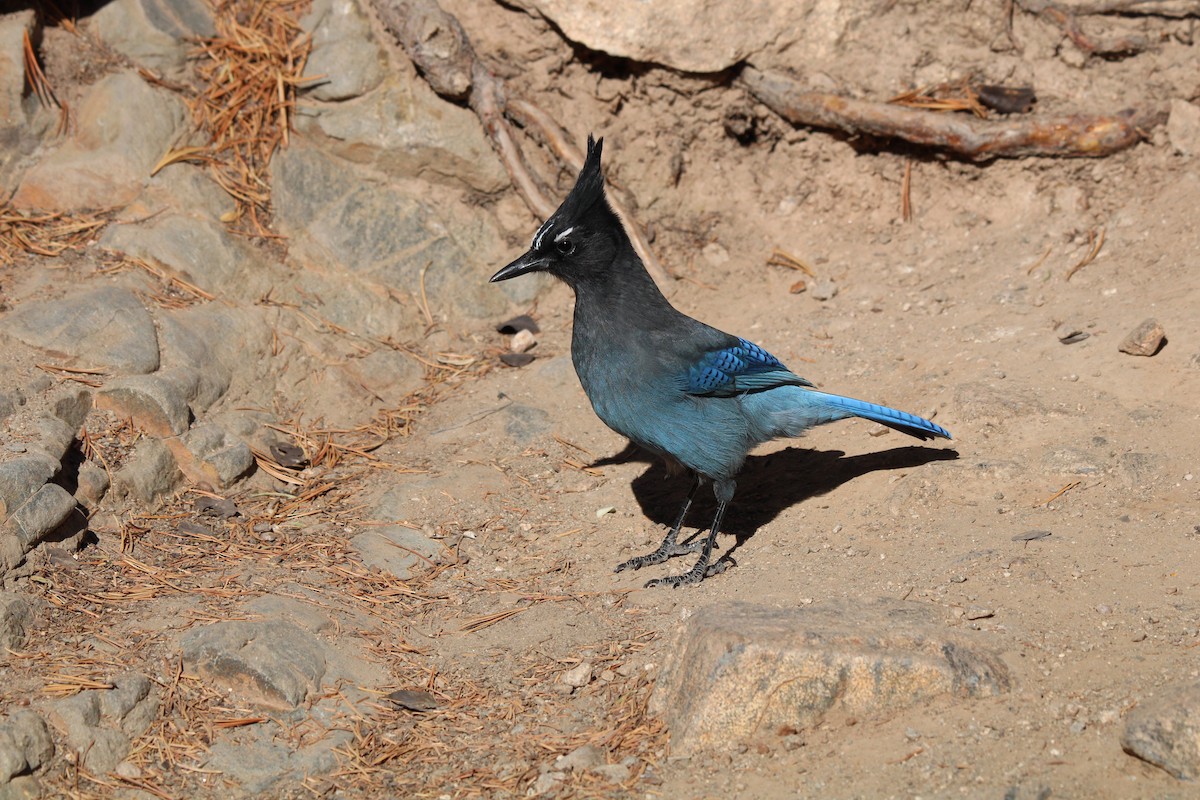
897,420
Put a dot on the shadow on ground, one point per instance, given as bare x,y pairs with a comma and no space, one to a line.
767,485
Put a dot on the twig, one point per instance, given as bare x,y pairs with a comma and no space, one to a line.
1078,135
781,258
1040,261
1096,243
1121,46
425,299
906,192
1158,8
1058,494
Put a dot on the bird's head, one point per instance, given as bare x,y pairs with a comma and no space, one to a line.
581,238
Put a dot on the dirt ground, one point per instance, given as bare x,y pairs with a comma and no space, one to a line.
955,314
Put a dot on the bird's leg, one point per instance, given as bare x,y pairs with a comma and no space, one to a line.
669,548
724,490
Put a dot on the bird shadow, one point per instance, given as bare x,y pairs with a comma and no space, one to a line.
767,485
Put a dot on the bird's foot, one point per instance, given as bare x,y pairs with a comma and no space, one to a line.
693,576
664,552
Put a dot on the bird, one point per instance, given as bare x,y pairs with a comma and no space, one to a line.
698,398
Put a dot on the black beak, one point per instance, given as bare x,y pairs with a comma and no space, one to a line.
526,263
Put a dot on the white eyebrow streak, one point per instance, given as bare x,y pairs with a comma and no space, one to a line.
564,234
541,233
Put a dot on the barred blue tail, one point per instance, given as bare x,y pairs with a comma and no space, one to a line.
897,420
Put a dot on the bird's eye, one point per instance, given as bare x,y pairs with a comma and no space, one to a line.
565,246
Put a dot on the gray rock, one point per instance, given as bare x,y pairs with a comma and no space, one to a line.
388,374
71,404
153,32
267,759
273,663
383,237
23,120
1165,731
52,436
101,327
21,477
217,342
150,472
740,670
525,423
405,130
92,483
581,758
38,517
197,247
344,50
613,773
25,745
824,289
306,615
15,618
716,35
546,782
154,402
227,457
13,28
131,704
1183,127
102,723
395,549
183,189
124,127
10,401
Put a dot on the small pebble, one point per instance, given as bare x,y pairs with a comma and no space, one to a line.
979,612
522,341
517,324
1144,340
516,359
547,782
578,677
613,773
1070,333
824,290
1029,536
581,758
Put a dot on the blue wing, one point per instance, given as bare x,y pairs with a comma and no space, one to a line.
737,369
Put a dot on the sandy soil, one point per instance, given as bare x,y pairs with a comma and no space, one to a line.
951,315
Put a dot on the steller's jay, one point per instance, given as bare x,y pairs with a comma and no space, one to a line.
699,398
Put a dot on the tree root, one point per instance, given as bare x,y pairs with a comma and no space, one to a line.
1077,135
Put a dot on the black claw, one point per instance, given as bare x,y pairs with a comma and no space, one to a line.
664,552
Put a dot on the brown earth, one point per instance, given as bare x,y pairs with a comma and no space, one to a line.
953,314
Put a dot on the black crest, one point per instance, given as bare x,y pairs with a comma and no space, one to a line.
589,186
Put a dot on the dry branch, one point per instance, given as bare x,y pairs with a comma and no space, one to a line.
1077,135
1158,8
